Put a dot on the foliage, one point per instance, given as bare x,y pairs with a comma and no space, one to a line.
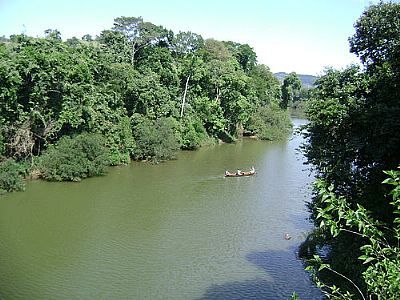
380,251
332,144
155,140
73,159
244,55
354,131
2,144
265,85
139,33
10,176
377,39
353,136
193,134
187,42
290,89
270,123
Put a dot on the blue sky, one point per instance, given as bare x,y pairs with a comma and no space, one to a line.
288,35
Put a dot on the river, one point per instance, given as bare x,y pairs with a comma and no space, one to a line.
176,230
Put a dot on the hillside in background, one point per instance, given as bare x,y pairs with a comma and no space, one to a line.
306,80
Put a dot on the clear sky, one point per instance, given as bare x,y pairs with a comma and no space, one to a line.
288,35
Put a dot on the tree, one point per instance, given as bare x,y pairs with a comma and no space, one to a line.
139,33
116,45
214,49
87,38
269,123
53,34
186,43
354,135
265,85
228,85
377,38
290,89
244,54
191,67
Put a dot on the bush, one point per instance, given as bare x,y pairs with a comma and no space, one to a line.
270,123
193,134
120,142
75,158
155,140
10,176
298,109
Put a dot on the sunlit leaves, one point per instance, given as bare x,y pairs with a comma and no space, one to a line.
380,253
377,37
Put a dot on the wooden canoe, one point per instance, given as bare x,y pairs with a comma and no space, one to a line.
241,174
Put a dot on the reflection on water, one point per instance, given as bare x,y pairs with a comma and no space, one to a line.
178,230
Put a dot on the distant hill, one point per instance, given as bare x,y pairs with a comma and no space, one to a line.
306,80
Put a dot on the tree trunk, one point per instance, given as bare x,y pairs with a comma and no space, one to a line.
133,54
184,95
239,129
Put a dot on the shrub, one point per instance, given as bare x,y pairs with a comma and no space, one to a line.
10,176
120,142
75,158
270,123
155,140
193,134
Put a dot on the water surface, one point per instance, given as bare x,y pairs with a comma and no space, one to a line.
177,230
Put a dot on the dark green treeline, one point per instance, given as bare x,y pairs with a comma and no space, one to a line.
354,146
142,90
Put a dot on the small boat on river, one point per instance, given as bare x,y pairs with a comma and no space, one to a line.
239,173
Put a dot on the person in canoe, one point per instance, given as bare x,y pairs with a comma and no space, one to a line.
240,173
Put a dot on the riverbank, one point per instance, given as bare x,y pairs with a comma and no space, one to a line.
86,155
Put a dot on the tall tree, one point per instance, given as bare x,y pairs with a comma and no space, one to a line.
244,54
52,34
265,85
186,43
377,37
290,89
139,33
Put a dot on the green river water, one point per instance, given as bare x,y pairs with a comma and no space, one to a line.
177,230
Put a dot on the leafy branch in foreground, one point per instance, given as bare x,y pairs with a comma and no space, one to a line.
381,250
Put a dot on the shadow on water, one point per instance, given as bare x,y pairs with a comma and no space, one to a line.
287,275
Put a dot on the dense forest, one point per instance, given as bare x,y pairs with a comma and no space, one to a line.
353,145
137,91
